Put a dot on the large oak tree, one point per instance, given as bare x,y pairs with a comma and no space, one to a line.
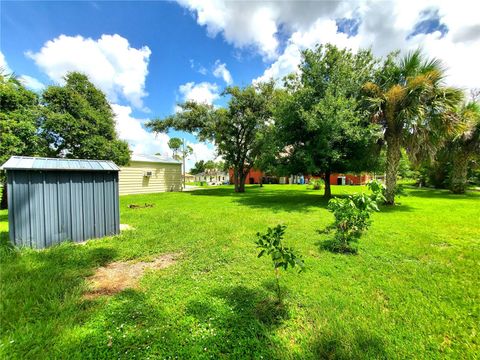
321,124
236,129
19,115
78,122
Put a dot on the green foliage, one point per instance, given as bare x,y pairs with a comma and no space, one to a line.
198,168
271,244
175,144
19,114
78,122
179,151
352,216
322,126
317,184
282,257
236,130
410,100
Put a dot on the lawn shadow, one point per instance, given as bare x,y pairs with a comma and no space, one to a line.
40,287
272,199
338,345
4,217
429,193
398,207
332,245
131,325
244,329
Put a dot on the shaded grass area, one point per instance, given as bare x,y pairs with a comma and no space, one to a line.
411,292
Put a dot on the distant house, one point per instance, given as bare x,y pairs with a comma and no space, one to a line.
254,176
189,177
350,179
212,177
150,174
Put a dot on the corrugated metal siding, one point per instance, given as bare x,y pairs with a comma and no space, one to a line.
48,207
165,177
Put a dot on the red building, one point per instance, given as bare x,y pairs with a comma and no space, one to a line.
344,179
254,176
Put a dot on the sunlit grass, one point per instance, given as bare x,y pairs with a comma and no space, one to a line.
411,292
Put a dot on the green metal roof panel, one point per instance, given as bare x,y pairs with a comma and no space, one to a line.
38,163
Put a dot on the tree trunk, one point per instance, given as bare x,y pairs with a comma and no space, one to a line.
458,181
4,202
393,161
328,191
235,178
241,185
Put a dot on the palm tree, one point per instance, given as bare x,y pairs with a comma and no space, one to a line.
465,146
409,100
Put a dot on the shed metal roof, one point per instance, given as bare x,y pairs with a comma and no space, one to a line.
154,159
40,163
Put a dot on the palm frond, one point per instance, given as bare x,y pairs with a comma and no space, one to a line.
411,63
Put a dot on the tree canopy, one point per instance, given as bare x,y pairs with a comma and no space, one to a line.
235,130
409,99
321,124
464,146
19,114
78,122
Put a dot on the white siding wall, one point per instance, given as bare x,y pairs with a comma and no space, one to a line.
165,177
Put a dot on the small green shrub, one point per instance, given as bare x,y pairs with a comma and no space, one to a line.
352,217
284,257
317,184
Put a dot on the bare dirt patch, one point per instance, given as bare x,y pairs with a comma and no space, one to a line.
121,275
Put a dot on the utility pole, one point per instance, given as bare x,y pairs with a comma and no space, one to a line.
183,157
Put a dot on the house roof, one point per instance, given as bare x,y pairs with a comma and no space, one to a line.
41,163
212,173
154,159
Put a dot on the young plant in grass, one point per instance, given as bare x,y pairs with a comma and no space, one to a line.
317,184
282,257
352,217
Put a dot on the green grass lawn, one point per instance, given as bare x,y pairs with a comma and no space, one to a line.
411,292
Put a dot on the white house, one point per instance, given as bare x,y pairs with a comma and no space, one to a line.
212,177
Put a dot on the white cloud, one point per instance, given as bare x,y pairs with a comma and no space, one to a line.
201,151
203,92
220,71
140,140
31,83
386,26
257,24
198,67
110,62
383,25
3,64
27,81
322,31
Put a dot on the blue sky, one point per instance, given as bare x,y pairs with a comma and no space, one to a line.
170,32
147,56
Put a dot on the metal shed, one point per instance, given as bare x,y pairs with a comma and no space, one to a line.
54,200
